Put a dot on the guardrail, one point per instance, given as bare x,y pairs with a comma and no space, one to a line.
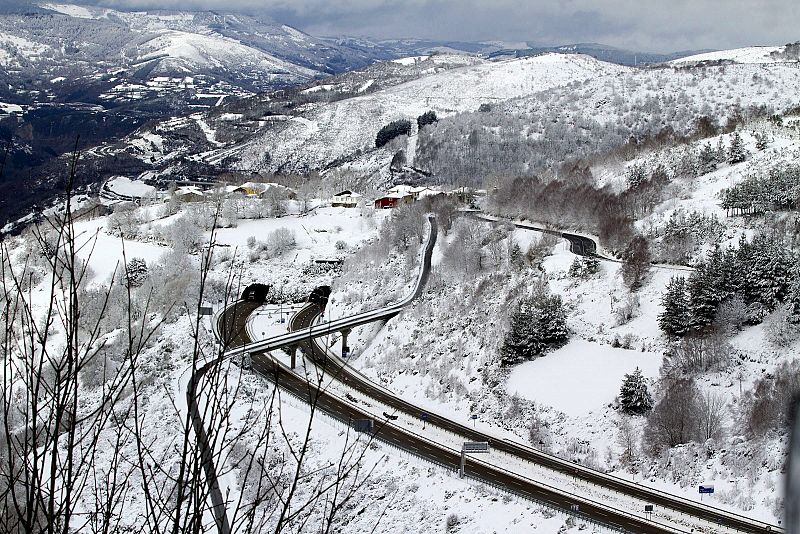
571,468
576,499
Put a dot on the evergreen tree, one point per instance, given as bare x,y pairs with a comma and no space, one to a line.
516,258
761,141
636,262
633,395
392,130
552,320
537,322
674,320
708,159
136,272
722,154
520,344
703,298
736,153
429,117
794,297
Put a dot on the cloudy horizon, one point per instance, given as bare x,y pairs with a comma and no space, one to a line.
643,26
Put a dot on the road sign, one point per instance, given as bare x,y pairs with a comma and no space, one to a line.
363,425
574,507
708,488
476,446
648,507
206,310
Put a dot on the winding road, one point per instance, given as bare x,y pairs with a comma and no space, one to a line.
232,328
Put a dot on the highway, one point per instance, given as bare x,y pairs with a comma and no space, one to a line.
347,411
232,326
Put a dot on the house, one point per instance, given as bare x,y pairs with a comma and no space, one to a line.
251,189
345,199
189,193
392,200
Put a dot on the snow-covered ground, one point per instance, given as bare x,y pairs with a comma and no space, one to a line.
580,378
751,54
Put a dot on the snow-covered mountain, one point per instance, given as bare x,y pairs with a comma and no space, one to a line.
522,104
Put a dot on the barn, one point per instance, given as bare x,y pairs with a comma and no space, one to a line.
256,293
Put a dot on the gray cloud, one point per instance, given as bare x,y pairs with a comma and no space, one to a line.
644,25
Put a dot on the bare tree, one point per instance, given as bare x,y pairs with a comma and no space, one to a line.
710,415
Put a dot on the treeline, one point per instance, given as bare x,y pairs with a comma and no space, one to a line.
677,240
750,281
566,205
392,130
778,189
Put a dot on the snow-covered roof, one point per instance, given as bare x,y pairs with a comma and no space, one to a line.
347,193
394,195
189,190
430,192
401,189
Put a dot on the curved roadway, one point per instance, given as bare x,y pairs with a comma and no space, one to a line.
232,326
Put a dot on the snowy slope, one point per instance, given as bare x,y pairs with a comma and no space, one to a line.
750,54
191,51
340,128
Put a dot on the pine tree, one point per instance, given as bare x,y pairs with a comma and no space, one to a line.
722,153
674,320
708,159
136,272
736,153
761,141
703,297
538,322
633,395
794,298
552,319
521,343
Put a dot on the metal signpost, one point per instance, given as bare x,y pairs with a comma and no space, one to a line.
471,447
364,425
704,489
474,418
424,417
648,511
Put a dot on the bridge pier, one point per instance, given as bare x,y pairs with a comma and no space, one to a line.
293,354
345,348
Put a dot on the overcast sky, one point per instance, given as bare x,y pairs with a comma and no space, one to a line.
646,25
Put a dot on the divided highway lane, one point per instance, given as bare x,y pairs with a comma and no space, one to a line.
355,380
329,403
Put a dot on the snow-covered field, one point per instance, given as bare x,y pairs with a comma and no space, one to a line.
580,378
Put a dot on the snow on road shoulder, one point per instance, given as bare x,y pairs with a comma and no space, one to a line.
581,377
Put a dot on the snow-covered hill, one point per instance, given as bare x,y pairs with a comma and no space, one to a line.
328,132
750,54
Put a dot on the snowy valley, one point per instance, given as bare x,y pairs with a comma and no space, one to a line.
591,267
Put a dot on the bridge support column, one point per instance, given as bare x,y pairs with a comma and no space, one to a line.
293,354
463,464
345,348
